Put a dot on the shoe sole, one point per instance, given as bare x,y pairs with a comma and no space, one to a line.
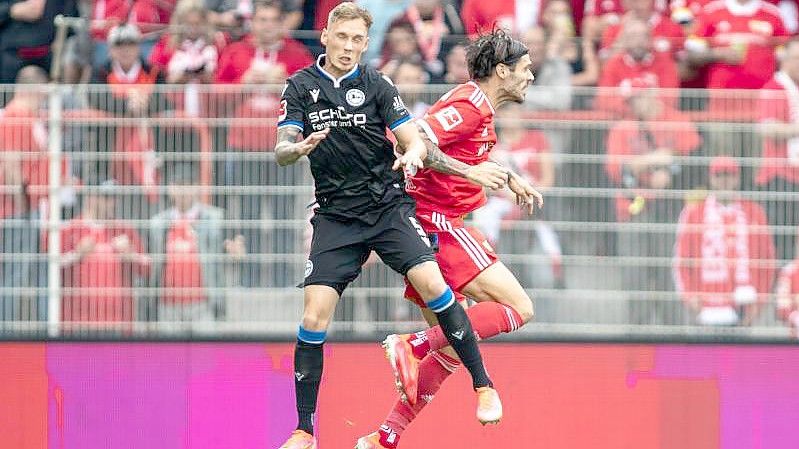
389,346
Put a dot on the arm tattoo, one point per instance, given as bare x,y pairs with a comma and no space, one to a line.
286,137
438,161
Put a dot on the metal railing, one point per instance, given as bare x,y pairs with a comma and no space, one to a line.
202,234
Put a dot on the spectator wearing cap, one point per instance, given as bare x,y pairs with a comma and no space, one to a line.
266,55
779,169
187,243
130,94
106,15
667,36
103,260
641,164
723,262
636,63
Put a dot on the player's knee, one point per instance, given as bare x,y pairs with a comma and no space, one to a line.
427,280
315,322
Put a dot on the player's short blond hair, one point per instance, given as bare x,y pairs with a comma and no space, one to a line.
349,11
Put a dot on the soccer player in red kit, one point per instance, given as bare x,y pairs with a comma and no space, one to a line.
460,132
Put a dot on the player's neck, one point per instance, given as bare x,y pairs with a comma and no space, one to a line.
332,70
494,93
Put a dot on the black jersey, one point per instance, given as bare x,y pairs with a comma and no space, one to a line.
352,166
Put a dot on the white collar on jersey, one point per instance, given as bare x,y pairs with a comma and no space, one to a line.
326,74
488,101
746,9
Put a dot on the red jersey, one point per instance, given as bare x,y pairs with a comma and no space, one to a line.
461,123
720,248
780,157
238,57
755,28
620,71
526,153
183,274
100,285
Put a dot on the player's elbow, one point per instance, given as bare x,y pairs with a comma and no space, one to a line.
525,310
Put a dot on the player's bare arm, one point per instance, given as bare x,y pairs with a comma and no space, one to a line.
486,174
411,147
288,150
526,195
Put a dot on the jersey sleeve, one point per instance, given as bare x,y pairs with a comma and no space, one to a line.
292,112
390,105
454,122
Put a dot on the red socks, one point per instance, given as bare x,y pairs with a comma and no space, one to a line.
433,370
488,319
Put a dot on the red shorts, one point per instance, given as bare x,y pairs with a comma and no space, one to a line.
462,253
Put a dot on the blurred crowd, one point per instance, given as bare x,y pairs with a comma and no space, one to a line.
629,96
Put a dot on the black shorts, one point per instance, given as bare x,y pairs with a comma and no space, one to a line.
340,248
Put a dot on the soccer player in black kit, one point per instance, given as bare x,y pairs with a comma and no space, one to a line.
342,110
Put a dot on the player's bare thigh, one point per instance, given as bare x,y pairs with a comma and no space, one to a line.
497,283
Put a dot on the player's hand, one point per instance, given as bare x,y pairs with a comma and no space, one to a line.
526,195
410,162
488,174
308,144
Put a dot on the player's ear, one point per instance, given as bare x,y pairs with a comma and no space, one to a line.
501,70
323,37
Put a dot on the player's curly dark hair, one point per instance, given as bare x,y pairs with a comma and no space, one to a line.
490,50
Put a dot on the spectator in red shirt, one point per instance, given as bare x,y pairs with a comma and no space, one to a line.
736,40
641,164
636,63
131,82
667,36
723,266
102,260
528,152
188,53
266,55
779,169
187,240
23,141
